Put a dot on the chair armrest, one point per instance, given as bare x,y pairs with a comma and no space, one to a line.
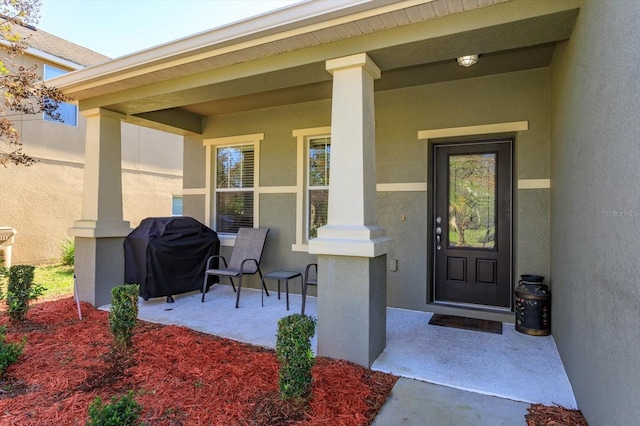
307,269
249,260
213,257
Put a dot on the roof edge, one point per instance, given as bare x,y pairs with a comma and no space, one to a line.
37,53
284,22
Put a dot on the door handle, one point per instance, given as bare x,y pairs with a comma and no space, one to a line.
438,233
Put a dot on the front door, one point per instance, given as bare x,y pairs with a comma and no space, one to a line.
472,224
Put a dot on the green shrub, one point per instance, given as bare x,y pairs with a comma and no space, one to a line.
293,349
20,290
124,313
9,352
67,257
124,411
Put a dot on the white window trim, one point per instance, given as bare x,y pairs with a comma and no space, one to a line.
210,199
482,129
302,145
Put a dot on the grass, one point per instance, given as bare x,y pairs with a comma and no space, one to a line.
57,279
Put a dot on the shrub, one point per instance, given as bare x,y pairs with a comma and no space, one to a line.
123,314
9,352
20,291
67,257
293,349
124,411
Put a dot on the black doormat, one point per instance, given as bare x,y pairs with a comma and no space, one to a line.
473,324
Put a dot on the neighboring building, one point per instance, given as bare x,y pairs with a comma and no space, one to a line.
532,153
42,201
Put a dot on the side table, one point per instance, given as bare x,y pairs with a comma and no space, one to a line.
286,276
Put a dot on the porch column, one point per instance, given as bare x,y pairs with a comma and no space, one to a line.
99,234
351,248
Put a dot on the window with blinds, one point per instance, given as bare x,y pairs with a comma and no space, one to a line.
318,184
234,188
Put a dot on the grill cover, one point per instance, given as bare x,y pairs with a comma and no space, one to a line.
167,255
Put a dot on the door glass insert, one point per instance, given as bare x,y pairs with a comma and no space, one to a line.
472,201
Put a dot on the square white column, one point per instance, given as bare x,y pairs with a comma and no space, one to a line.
102,189
352,248
351,228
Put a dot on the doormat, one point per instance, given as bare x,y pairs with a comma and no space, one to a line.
472,324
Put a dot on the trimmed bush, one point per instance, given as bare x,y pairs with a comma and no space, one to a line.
124,411
293,349
20,290
124,313
9,352
68,252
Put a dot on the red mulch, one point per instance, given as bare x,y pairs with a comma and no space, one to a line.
544,415
180,376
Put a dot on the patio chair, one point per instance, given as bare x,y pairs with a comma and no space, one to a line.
310,278
245,260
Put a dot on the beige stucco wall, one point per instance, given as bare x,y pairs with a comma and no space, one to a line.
42,201
596,210
401,158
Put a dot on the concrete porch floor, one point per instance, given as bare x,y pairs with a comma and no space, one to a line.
456,373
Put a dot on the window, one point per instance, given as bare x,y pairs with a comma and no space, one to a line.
176,205
234,187
68,112
318,184
312,187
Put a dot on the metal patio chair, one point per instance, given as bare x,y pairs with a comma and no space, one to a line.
244,260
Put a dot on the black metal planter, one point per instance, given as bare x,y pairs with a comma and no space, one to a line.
533,306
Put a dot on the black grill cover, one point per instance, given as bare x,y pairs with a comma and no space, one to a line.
167,255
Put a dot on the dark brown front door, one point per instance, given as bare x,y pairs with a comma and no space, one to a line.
472,223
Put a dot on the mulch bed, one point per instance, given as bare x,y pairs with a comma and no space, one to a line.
544,415
180,376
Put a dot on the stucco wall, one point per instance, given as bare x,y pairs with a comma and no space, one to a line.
42,201
401,158
596,210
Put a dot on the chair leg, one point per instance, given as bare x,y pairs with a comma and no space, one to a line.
232,284
286,285
204,286
238,292
264,285
304,296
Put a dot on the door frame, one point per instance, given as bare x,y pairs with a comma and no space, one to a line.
431,270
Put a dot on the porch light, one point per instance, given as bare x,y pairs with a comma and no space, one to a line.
467,61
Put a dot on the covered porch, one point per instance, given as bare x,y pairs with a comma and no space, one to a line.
549,78
380,81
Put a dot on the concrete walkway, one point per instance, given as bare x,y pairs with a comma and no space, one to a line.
413,402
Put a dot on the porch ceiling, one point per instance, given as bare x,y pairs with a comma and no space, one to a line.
413,45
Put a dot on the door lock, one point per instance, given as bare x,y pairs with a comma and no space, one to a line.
438,233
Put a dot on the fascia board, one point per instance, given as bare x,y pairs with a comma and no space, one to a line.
310,15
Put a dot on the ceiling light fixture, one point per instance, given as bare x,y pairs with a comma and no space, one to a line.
467,60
